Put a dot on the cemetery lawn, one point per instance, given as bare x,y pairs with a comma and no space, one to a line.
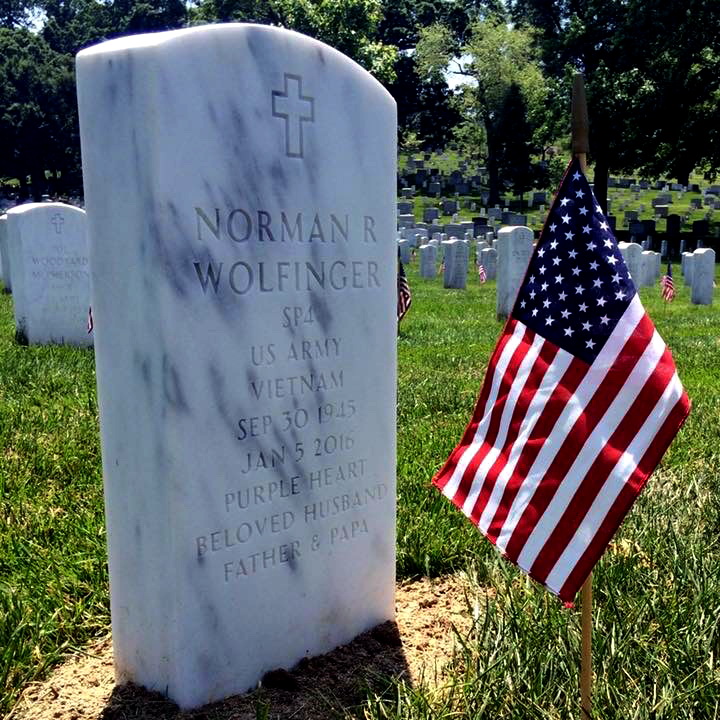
657,589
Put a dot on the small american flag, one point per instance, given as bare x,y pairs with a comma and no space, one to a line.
404,297
580,401
481,273
667,285
90,322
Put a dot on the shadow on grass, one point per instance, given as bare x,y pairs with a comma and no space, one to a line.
321,688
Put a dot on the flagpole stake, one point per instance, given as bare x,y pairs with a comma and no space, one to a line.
586,657
580,147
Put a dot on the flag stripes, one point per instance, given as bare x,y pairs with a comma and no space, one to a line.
543,504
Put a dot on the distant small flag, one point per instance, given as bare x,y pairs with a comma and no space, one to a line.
481,273
667,285
90,323
404,297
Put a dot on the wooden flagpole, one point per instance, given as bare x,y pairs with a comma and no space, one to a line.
580,148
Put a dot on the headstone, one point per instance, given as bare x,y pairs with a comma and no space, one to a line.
673,225
700,229
4,255
647,269
405,249
430,214
514,247
662,210
703,271
407,193
454,230
406,221
434,188
48,250
247,403
456,264
488,258
687,268
405,208
428,259
664,248
632,254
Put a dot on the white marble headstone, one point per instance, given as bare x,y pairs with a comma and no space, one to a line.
4,256
48,249
632,254
703,270
488,258
514,247
456,264
687,268
428,260
244,275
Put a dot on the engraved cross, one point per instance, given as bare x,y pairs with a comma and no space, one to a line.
295,108
57,220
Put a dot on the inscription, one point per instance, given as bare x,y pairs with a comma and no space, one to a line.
297,385
295,108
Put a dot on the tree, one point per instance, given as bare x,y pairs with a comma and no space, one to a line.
498,57
38,115
652,75
350,26
515,142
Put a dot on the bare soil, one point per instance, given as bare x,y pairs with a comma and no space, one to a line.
417,648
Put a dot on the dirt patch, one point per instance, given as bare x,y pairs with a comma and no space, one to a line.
416,647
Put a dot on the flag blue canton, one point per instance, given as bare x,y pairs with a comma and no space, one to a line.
577,285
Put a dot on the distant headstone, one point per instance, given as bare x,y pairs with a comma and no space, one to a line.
430,214
4,255
406,220
246,387
632,253
428,260
405,249
664,248
647,269
673,225
408,192
703,272
488,258
687,259
514,247
48,249
456,264
405,208
701,229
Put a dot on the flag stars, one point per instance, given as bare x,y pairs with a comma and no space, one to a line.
564,202
586,229
522,304
611,259
619,295
568,331
579,289
601,301
562,296
576,271
532,295
546,303
553,244
586,326
582,307
576,176
544,287
604,320
594,265
590,344
572,254
591,246
598,210
541,269
579,194
597,282
565,219
565,314
559,279
549,320
556,261
569,235
616,278
608,243
553,227
541,252
534,312
583,211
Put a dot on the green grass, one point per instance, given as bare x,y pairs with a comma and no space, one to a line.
657,589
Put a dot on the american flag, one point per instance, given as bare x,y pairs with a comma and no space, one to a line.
580,401
404,298
667,285
481,273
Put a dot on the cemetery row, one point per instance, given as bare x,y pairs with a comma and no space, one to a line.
504,254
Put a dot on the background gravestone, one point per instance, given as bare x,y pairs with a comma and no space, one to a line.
488,259
51,276
428,259
244,278
703,276
456,257
514,247
687,268
4,256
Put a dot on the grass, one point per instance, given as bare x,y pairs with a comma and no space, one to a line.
657,589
